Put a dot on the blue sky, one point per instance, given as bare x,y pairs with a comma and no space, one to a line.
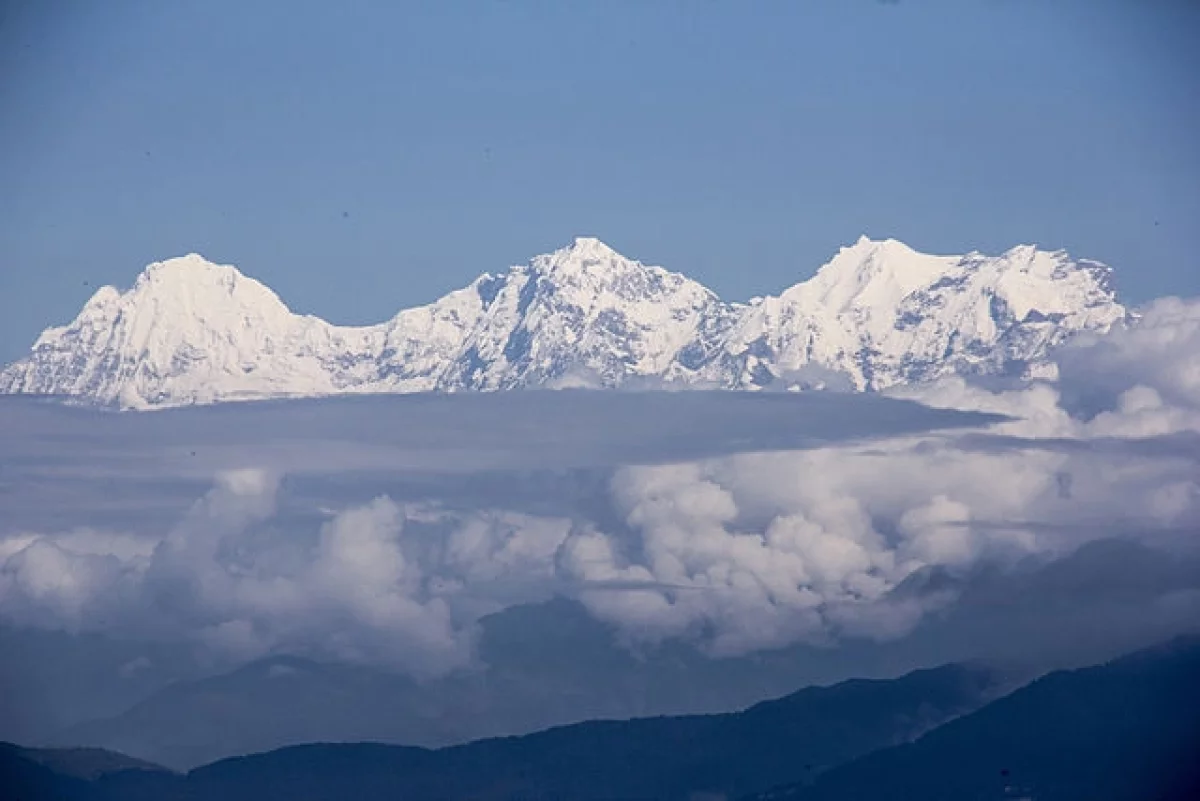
366,156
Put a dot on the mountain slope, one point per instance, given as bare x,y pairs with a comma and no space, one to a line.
1123,731
878,314
548,664
75,774
267,704
26,779
87,763
583,312
188,332
662,758
883,314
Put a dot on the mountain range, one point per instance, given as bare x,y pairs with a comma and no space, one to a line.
878,314
1125,730
548,664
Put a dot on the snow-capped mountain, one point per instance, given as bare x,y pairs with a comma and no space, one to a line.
878,314
883,314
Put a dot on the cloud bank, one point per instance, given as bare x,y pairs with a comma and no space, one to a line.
381,530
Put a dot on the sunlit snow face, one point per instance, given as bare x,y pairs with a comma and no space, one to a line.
381,530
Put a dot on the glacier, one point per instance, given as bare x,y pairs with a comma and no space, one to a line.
879,314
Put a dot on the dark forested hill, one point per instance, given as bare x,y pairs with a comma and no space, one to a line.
1128,730
665,757
1125,731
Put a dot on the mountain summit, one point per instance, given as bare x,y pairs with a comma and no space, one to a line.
878,314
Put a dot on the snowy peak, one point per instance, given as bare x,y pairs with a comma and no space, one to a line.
582,249
589,265
865,246
881,275
185,274
585,262
882,313
878,314
191,268
581,315
105,298
871,273
584,255
178,292
187,331
183,301
194,282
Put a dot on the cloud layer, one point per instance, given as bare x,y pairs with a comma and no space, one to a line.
381,530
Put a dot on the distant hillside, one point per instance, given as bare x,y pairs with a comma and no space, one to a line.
548,664
87,763
667,757
1125,731
71,774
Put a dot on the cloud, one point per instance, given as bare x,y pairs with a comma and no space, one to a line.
382,530
1153,366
